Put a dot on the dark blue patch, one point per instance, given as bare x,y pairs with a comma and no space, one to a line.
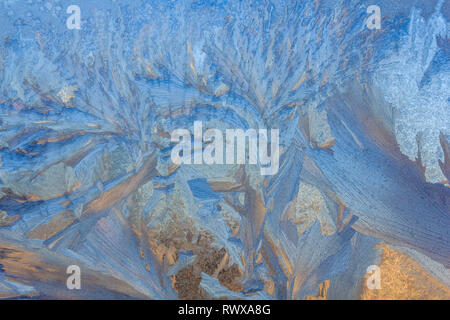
201,189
